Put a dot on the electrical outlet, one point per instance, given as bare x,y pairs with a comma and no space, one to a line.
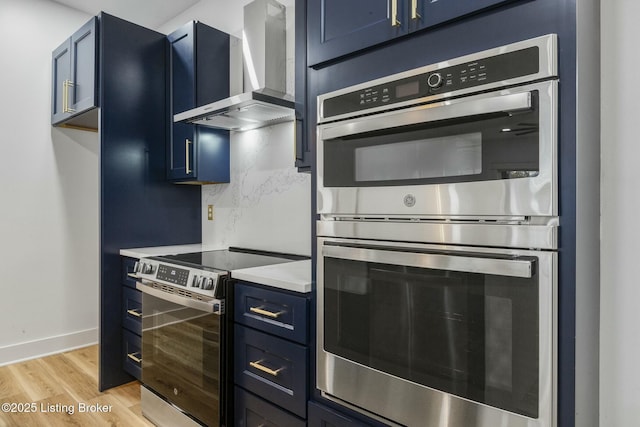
210,212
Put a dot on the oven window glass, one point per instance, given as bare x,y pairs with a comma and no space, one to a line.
469,334
483,147
426,158
181,357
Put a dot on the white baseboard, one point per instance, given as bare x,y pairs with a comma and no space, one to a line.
43,347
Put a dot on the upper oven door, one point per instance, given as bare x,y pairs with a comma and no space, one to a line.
492,154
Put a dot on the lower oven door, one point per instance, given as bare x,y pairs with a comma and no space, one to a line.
181,354
438,336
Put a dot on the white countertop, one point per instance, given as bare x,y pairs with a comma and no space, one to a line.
165,250
292,276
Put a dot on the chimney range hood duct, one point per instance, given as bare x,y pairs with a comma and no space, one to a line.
263,52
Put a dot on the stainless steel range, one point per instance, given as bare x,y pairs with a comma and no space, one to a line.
184,334
437,243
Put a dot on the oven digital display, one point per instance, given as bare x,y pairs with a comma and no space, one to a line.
408,89
177,276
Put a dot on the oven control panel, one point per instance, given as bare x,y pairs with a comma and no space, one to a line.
190,279
440,80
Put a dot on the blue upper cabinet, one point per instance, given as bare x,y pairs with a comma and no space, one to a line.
340,27
427,13
74,81
199,74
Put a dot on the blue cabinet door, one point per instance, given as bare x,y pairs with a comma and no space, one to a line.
74,78
340,27
427,13
84,62
61,69
181,98
199,74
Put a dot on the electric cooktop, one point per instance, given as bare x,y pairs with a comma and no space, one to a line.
230,259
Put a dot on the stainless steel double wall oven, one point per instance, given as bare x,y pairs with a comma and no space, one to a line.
437,242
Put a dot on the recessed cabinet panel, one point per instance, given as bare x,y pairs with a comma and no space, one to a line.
61,67
338,27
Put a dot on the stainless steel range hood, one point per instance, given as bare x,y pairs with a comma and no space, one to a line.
262,55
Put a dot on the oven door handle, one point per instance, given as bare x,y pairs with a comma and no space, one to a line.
431,113
214,306
435,261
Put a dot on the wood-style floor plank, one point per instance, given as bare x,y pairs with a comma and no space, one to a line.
67,381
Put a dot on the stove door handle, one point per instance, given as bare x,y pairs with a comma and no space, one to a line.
214,306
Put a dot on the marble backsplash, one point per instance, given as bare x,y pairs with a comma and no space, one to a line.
267,204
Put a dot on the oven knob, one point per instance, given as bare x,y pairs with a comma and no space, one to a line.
147,268
195,283
434,80
136,267
207,283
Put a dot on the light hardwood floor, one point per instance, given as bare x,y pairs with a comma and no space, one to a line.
66,381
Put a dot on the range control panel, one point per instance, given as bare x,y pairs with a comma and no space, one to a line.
193,280
442,80
176,276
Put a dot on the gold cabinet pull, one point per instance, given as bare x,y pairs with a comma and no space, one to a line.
258,366
414,10
133,357
65,96
134,313
394,14
260,310
187,142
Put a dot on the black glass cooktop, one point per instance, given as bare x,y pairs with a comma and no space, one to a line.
230,259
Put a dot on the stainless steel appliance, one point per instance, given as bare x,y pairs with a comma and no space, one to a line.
473,136
184,335
437,250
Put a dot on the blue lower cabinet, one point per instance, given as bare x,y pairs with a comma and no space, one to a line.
275,312
127,269
273,368
252,411
132,310
321,416
132,353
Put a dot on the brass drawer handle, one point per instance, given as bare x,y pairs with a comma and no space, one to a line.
134,313
259,310
65,97
394,14
414,10
264,369
133,357
187,142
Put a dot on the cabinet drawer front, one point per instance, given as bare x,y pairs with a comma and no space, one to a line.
132,310
251,411
321,416
127,268
275,312
273,368
132,353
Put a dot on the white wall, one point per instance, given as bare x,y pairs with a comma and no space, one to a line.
48,191
620,277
